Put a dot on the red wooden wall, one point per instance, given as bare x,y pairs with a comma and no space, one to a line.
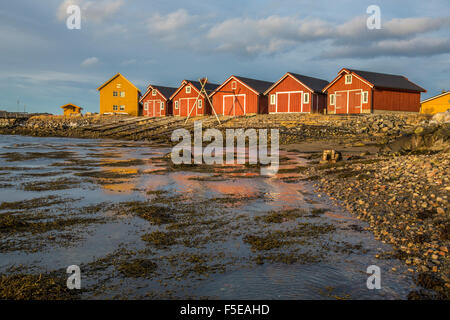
245,100
390,100
186,101
317,103
351,93
154,105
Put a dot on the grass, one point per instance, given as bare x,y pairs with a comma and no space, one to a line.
34,287
160,239
53,185
156,215
137,268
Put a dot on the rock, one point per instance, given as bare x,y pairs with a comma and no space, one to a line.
332,156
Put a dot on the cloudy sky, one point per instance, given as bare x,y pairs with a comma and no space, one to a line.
45,65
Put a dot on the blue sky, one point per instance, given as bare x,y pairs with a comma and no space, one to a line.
45,65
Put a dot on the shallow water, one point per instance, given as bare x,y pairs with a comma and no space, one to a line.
222,205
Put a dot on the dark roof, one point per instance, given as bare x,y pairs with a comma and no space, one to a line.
389,81
209,87
315,84
257,85
165,91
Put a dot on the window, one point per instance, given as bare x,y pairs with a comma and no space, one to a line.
122,94
332,99
272,99
365,97
233,85
162,105
154,92
348,79
122,108
146,106
200,104
306,98
118,86
176,104
115,93
115,108
188,89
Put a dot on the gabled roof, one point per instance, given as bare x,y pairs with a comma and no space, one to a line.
435,97
209,87
257,86
313,84
381,80
114,77
166,92
71,105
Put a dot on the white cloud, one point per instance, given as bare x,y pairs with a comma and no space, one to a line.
173,27
90,62
95,11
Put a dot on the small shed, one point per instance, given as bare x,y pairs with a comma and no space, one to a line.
436,104
156,101
297,93
356,91
185,97
239,96
71,109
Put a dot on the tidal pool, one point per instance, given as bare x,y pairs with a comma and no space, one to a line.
140,227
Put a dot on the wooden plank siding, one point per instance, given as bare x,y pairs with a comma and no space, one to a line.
183,102
235,98
152,101
347,96
289,97
389,100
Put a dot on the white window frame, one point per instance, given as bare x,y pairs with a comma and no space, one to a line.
306,97
161,105
199,104
332,99
348,79
122,108
154,92
176,104
122,94
146,106
365,96
118,86
188,89
273,99
234,85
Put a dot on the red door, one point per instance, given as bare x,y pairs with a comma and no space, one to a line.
282,102
228,105
184,105
239,105
354,102
341,102
295,102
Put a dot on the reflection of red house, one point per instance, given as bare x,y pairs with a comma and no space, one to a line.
239,96
185,97
297,93
156,101
354,91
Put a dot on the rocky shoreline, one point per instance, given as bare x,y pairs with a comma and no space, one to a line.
402,190
404,196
